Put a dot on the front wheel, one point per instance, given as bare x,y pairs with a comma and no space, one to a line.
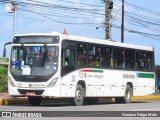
127,97
79,96
35,101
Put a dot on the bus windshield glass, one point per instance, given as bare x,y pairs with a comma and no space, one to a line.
34,60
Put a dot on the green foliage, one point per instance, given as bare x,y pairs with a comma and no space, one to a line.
3,59
3,79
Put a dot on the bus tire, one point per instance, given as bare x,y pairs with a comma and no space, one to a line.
79,96
127,97
35,101
91,100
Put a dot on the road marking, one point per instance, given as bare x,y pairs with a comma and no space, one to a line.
82,115
12,110
58,107
2,106
148,109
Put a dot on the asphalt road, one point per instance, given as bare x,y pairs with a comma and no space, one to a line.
88,112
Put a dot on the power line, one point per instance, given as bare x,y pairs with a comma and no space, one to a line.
86,13
67,1
45,5
142,24
58,21
22,6
132,31
139,8
153,36
47,13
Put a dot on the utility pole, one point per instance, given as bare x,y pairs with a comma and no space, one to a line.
15,18
108,7
11,7
122,26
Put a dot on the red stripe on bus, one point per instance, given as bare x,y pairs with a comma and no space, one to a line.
86,70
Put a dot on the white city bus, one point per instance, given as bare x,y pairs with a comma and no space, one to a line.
78,69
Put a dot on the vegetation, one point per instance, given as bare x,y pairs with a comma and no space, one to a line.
3,79
4,59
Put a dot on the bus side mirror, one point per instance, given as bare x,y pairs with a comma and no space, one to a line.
4,52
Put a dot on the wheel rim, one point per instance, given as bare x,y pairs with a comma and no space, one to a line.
128,95
78,95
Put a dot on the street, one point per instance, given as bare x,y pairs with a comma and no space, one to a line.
105,106
88,111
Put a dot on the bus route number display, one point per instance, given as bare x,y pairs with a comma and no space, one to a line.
36,40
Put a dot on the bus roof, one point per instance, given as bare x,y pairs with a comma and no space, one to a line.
90,40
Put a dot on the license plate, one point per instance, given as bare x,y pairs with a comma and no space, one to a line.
30,93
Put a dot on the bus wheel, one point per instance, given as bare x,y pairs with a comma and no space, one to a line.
127,97
90,100
35,101
79,96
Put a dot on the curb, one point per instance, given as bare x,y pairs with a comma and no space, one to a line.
135,98
146,98
13,101
18,101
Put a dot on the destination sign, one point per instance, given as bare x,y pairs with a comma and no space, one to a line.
36,40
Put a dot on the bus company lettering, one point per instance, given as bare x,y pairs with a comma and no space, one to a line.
83,75
98,76
36,85
129,76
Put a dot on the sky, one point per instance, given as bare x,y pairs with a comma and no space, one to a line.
29,22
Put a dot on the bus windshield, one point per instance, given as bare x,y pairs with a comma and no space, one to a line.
34,60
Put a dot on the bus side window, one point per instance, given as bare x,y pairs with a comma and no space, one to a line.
106,56
114,63
149,62
94,56
141,60
68,61
81,54
130,59
118,58
68,57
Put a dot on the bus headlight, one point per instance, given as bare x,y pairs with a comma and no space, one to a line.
53,82
10,82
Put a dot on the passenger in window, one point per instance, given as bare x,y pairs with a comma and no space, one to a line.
66,61
136,66
141,64
123,64
97,63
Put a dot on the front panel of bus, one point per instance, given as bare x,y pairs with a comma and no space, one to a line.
34,66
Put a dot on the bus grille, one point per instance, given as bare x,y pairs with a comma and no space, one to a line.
31,79
37,92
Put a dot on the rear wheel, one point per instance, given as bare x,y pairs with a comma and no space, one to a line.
79,96
127,97
35,101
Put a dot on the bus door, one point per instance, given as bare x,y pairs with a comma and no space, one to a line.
67,66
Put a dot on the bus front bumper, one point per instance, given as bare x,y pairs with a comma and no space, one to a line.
44,92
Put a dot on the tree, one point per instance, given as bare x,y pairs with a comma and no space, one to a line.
3,79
